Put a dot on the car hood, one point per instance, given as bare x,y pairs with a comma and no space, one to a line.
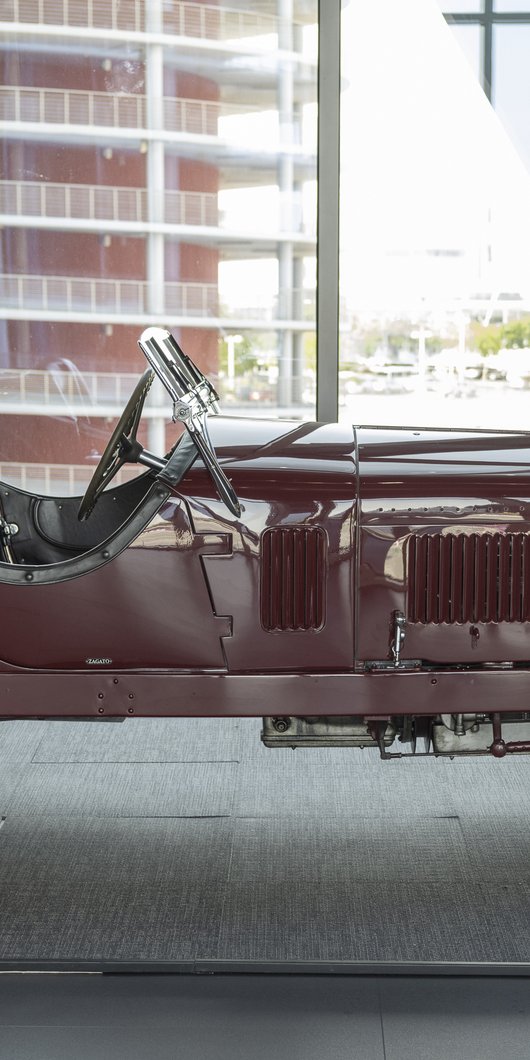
271,445
438,475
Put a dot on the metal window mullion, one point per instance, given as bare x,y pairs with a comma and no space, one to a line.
479,17
488,19
328,178
487,65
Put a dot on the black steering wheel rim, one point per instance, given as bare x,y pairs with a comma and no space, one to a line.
119,446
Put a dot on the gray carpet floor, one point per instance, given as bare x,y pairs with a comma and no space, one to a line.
179,840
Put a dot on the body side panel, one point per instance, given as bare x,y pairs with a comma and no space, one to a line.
438,488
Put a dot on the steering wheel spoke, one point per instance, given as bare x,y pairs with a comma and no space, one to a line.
122,447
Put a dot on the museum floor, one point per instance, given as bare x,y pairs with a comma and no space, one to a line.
171,840
172,845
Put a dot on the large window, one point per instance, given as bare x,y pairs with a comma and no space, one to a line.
158,167
435,288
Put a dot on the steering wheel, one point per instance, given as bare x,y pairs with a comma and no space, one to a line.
121,448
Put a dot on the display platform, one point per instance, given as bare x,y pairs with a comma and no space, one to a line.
162,844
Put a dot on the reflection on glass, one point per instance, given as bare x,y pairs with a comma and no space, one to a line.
511,51
435,236
512,6
470,40
142,183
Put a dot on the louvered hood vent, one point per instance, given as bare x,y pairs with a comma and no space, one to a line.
293,575
468,578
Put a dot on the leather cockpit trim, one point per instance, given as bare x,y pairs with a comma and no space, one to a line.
65,570
55,518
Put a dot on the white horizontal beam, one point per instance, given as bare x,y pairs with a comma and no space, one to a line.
35,30
77,410
232,150
188,233
143,320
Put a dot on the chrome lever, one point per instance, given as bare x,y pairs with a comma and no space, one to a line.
398,636
194,398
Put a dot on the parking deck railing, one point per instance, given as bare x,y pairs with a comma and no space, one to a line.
102,203
117,110
64,383
180,17
78,294
57,479
63,389
64,294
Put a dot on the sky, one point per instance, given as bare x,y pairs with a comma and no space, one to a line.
426,162
426,166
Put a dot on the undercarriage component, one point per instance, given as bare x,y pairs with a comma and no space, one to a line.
496,734
323,732
407,736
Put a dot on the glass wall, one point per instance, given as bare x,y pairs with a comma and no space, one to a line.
158,167
435,247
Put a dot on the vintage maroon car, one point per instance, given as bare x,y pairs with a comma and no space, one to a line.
355,586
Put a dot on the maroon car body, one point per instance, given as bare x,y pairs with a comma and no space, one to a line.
374,590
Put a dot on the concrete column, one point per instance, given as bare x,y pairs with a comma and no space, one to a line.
298,336
328,212
156,435
154,89
285,186
154,86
